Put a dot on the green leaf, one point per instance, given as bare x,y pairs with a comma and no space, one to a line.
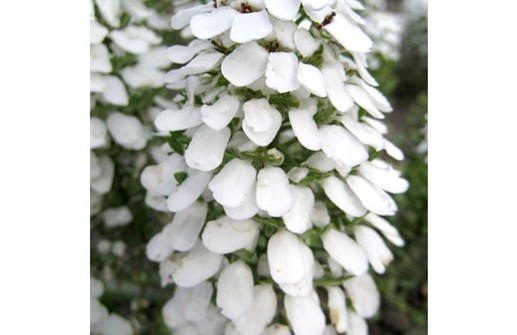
180,176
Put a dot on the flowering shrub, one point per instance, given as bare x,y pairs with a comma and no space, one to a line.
277,171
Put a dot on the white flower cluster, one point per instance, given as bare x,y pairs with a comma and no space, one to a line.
102,322
120,30
276,181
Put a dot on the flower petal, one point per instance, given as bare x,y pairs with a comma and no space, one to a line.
126,130
186,226
385,177
181,54
235,290
389,231
348,34
356,324
248,209
226,235
187,193
281,72
245,64
337,308
364,100
233,183
110,10
183,17
336,89
261,312
378,253
174,120
337,143
258,114
208,25
363,132
305,129
250,26
311,78
320,215
196,266
273,192
206,149
284,10
298,218
305,43
285,257
305,314
98,133
371,196
364,295
221,113
345,251
100,59
115,91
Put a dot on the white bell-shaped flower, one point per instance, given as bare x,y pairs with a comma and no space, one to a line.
226,235
348,34
250,26
282,71
364,295
221,113
183,17
159,179
235,290
298,218
100,59
356,324
384,176
213,323
387,229
207,25
186,226
342,196
184,195
305,314
245,64
110,10
284,32
337,308
273,192
320,216
248,209
372,196
283,10
305,128
303,287
260,314
378,253
206,149
336,89
195,300
174,120
114,91
158,248
363,132
311,79
195,266
337,143
286,258
98,133
345,251
261,121
232,185
305,43
126,130
135,39
364,100
182,54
